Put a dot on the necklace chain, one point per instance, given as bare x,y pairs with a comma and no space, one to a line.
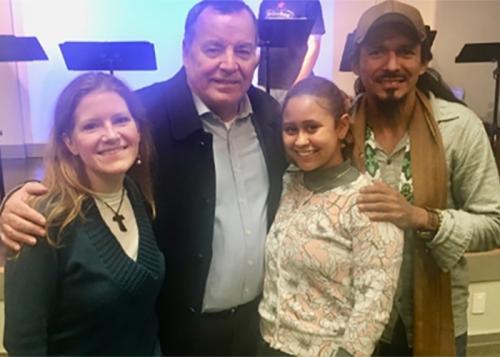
117,217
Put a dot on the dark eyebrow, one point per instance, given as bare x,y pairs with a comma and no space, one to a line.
85,120
373,46
246,45
212,43
311,121
117,115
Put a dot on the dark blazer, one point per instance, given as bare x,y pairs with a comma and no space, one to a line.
185,194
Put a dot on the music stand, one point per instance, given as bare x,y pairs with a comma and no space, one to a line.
109,56
485,52
282,33
349,47
18,49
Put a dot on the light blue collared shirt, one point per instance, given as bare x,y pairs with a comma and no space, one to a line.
242,184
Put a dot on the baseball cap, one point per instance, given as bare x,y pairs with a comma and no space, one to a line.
390,11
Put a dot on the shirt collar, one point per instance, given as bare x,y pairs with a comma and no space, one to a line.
244,107
324,179
443,110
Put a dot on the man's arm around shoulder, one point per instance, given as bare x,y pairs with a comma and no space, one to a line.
19,223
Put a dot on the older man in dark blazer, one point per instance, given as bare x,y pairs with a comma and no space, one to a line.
218,183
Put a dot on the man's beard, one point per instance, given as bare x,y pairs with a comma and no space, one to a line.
390,106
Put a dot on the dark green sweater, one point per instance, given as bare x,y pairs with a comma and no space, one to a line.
88,297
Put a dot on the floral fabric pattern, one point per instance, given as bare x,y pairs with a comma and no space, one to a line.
331,273
373,167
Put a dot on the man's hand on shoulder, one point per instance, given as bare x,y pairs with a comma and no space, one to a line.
381,203
19,223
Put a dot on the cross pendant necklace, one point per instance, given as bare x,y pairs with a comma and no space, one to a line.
117,216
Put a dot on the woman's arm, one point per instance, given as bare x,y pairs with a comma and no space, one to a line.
30,288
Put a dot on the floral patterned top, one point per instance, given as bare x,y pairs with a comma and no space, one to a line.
331,273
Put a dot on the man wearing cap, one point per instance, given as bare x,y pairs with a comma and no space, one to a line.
435,177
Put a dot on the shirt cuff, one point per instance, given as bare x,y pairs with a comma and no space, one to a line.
450,243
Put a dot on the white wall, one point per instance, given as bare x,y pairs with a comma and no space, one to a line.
484,277
11,122
467,21
346,15
489,321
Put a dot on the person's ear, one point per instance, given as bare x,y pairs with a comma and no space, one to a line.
69,144
185,52
256,57
342,127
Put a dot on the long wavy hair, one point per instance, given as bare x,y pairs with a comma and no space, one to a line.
65,177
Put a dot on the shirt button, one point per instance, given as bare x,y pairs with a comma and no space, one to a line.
250,262
248,232
202,143
389,161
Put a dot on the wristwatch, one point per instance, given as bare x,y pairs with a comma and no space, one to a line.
434,219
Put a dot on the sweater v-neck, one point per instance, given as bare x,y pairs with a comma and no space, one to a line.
127,272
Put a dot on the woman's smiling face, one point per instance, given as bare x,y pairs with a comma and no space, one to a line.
311,135
105,136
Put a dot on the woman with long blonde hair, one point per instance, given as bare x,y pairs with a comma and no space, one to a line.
91,286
